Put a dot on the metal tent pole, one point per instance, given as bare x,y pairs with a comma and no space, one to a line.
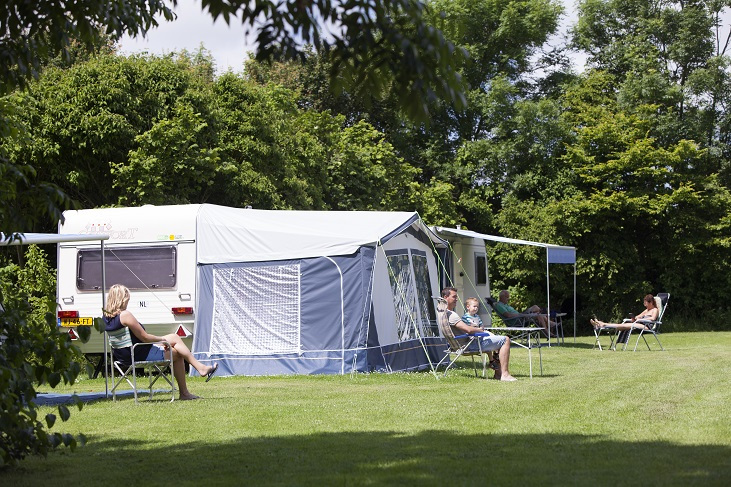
104,306
574,298
548,296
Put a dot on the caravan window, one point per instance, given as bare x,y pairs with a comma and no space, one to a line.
480,269
135,267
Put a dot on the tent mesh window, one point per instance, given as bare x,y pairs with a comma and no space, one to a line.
409,286
256,310
426,304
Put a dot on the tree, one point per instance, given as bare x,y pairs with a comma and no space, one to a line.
33,352
642,220
31,32
77,122
172,164
370,43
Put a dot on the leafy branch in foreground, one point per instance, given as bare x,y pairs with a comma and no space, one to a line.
32,353
371,44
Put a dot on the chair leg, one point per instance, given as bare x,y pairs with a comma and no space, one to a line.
658,341
629,337
134,379
540,355
452,362
597,342
446,357
641,335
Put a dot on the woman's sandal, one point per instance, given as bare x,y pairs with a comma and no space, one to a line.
211,372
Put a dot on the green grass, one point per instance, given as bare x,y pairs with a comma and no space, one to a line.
607,418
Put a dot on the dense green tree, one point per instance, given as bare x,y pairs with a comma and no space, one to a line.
33,352
77,122
173,163
642,219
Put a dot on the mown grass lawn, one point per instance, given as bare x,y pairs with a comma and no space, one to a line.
607,418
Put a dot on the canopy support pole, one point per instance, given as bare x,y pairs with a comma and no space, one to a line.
548,296
104,306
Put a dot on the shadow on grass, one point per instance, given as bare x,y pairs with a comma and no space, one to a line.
464,368
384,457
577,345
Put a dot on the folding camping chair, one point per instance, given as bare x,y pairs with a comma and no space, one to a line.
156,368
526,320
653,327
458,344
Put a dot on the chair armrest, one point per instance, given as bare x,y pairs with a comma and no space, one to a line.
649,323
478,334
152,343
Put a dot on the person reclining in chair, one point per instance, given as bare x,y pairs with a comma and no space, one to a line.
488,343
117,318
512,316
650,314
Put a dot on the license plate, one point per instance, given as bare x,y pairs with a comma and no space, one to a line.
68,322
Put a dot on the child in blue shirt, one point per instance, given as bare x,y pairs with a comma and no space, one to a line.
472,306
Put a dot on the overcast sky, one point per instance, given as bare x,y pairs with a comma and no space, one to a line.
193,27
226,43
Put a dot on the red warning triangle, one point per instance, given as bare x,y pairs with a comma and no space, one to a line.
73,334
183,332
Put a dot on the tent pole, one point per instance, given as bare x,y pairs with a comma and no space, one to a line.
574,299
548,297
104,306
342,318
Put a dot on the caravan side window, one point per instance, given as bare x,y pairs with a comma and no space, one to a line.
480,269
153,267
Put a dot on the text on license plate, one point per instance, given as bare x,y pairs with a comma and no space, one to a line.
85,321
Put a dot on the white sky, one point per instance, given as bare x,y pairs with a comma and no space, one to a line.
193,26
226,43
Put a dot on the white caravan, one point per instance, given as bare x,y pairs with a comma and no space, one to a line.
151,250
466,264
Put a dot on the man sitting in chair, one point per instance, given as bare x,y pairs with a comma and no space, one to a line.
488,343
512,316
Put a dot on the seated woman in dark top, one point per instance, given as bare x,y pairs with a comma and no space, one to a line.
124,331
650,313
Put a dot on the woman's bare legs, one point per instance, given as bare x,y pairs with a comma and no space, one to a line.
181,349
181,353
618,326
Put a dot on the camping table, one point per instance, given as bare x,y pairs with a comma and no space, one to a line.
558,318
530,333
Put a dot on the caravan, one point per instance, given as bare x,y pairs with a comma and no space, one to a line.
264,291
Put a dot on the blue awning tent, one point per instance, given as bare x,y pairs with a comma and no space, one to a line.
304,292
555,254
